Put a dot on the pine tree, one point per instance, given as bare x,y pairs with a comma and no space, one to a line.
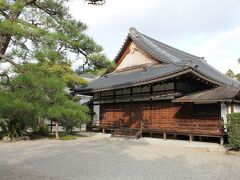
34,94
44,30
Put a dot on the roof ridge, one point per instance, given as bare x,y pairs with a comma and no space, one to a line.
173,48
190,56
167,57
170,55
216,70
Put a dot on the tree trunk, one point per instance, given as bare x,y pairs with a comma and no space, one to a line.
4,42
5,38
12,16
56,131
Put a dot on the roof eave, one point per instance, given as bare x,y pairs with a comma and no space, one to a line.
200,100
147,81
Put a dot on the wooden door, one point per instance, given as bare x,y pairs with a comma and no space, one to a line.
135,115
157,115
124,115
147,115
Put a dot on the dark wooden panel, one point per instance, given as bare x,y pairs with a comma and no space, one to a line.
135,114
163,115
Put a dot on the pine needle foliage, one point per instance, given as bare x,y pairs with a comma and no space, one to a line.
36,94
43,30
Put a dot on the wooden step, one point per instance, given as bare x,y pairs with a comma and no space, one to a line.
127,133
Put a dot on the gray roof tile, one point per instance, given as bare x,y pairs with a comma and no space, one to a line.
222,93
175,60
128,78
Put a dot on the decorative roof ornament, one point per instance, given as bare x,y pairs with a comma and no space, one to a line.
133,32
187,62
203,59
132,48
95,2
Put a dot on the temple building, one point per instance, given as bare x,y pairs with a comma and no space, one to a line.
156,88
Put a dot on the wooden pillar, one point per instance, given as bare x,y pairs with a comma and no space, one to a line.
164,136
232,108
221,140
190,138
151,134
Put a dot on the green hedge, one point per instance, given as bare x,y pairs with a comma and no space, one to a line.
233,129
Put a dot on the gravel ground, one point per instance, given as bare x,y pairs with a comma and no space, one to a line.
98,158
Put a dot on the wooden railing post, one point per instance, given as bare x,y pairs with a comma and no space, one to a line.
164,136
141,125
190,138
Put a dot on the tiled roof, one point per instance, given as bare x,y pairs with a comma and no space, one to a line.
175,61
222,93
128,78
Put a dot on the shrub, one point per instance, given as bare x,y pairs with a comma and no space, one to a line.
233,129
43,130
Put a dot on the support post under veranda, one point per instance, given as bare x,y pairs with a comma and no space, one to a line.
221,140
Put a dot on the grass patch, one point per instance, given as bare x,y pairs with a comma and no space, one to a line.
62,136
67,137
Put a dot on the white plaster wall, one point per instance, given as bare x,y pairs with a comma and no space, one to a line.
229,109
236,108
96,116
134,58
226,109
224,112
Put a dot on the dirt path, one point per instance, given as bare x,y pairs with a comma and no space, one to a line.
104,158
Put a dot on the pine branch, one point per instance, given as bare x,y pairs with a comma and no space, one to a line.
3,74
3,12
8,60
50,12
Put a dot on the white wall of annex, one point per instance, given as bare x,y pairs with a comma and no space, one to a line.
96,116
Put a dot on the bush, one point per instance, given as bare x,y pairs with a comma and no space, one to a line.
43,130
12,129
233,129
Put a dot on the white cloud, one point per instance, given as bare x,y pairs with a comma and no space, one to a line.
202,27
221,50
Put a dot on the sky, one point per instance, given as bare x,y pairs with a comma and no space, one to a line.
205,28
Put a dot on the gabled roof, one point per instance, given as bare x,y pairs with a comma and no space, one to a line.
175,61
222,93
